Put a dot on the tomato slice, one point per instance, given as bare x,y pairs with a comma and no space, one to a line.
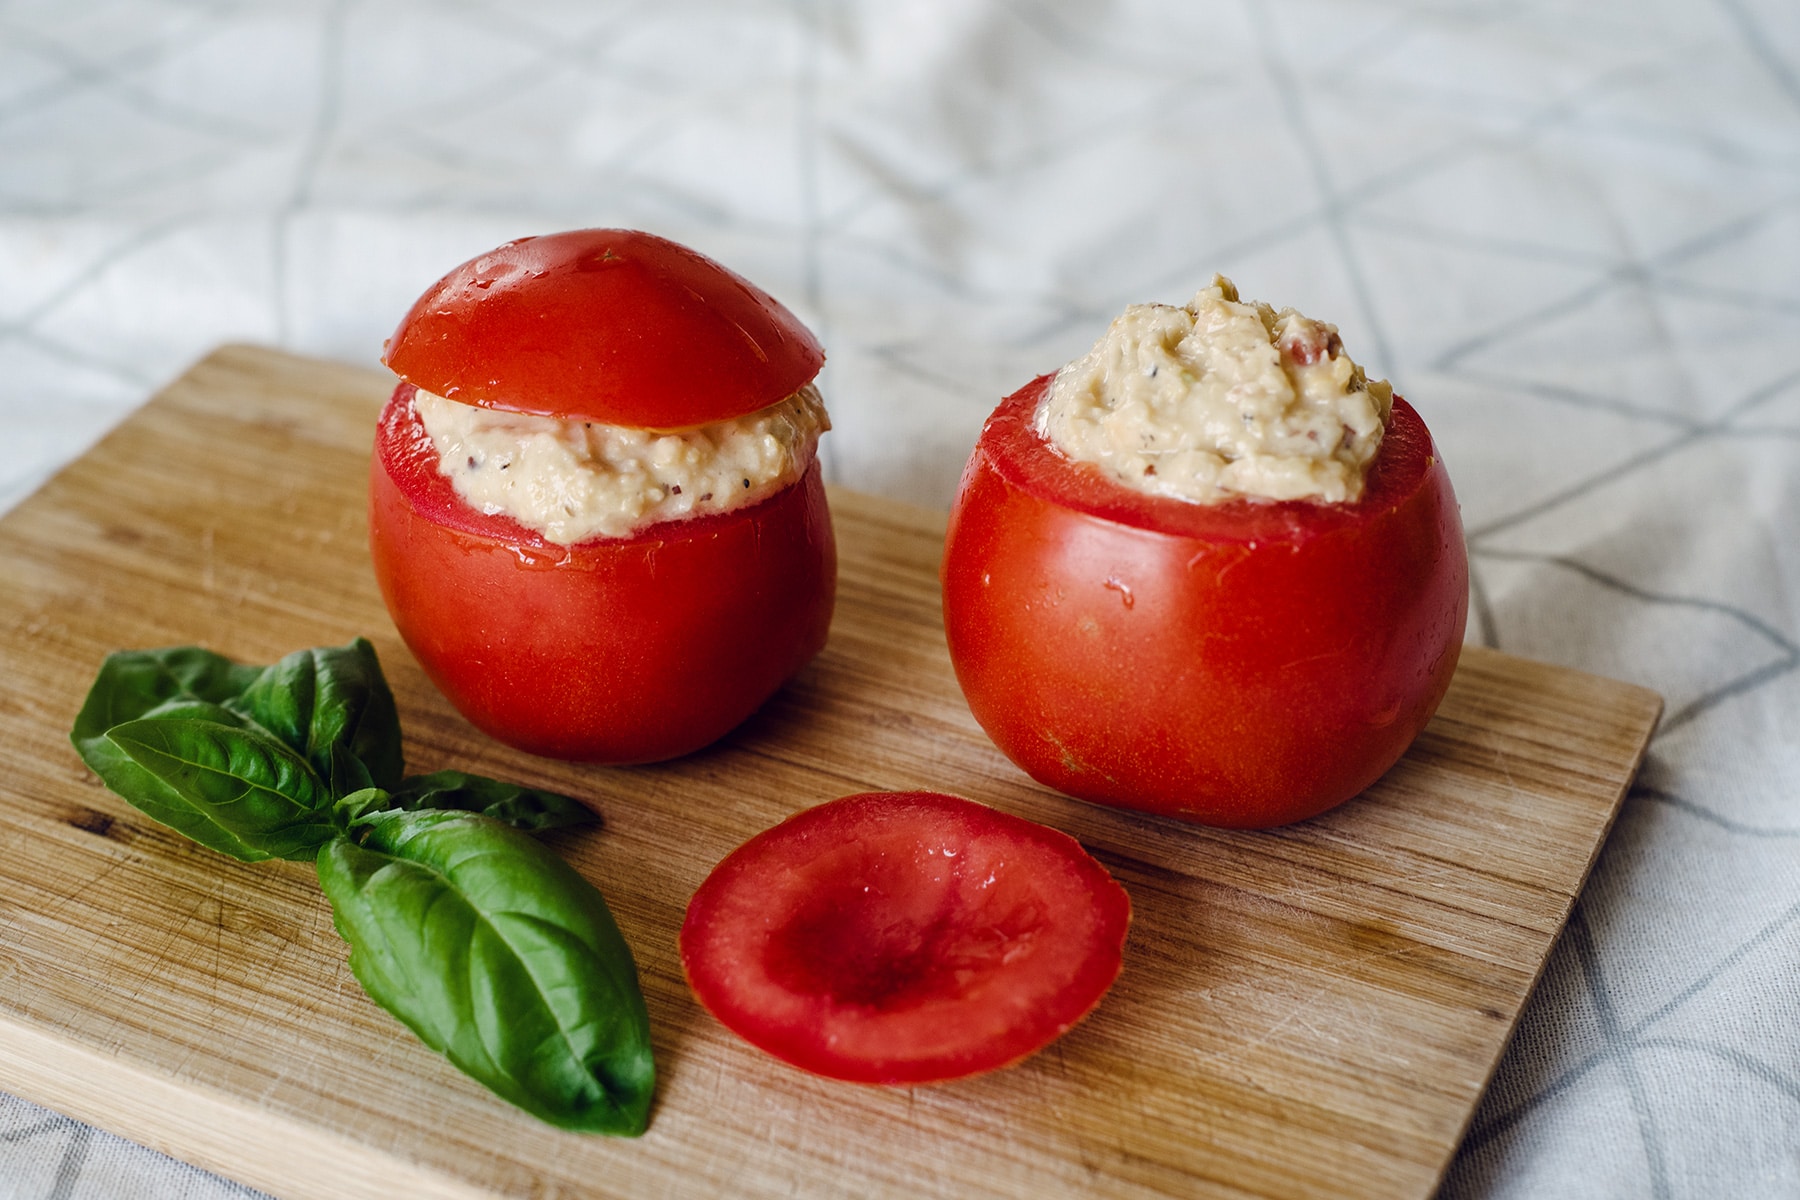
607,325
904,937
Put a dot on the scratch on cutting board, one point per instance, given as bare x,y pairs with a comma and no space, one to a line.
1501,760
85,889
1423,874
1297,1009
211,909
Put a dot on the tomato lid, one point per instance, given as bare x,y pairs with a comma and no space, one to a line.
607,325
904,937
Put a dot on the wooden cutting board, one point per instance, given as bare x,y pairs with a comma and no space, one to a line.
1306,1012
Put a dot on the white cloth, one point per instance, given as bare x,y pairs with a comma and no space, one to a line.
1570,233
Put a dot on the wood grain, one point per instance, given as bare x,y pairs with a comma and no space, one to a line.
1307,1012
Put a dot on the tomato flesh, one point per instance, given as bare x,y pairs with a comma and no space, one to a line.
618,650
904,937
608,325
1245,664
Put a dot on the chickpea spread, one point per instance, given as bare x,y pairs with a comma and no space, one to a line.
575,480
1218,399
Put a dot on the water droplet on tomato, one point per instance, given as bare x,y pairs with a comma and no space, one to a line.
1124,590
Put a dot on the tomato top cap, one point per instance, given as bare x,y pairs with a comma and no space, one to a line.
608,325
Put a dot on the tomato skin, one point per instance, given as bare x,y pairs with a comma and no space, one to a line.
616,650
904,938
608,325
1245,665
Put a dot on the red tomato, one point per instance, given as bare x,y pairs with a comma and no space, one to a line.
630,649
904,937
1245,664
605,325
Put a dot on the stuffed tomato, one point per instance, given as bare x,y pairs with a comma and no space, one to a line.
596,512
1238,659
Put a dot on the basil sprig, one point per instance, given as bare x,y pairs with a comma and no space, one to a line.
244,760
492,949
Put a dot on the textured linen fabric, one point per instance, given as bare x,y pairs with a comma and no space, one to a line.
1570,233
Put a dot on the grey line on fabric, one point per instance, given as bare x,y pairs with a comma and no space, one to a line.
74,1158
1569,1077
1756,40
1293,107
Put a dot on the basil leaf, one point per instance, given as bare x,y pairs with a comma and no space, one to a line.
134,683
501,957
160,802
332,704
349,810
237,790
530,809
187,708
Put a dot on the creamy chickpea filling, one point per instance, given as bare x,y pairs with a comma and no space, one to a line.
1220,398
575,480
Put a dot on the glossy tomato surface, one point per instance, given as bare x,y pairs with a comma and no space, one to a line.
608,325
1245,664
618,650
904,937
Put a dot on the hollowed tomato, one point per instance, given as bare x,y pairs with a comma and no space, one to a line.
621,649
1244,664
618,650
904,937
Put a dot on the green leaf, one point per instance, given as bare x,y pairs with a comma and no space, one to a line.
134,683
501,957
333,705
530,809
237,790
358,805
155,799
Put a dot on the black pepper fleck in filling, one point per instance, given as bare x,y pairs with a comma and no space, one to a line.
746,484
706,497
472,463
675,490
